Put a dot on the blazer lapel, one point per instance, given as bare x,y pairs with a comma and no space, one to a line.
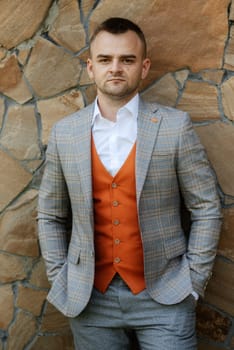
148,123
82,154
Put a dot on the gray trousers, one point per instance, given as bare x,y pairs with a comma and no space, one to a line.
109,320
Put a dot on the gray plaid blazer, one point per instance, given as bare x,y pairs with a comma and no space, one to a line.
170,162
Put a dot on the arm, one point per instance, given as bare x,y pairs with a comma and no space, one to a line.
199,190
53,211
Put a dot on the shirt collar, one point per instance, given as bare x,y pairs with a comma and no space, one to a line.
131,106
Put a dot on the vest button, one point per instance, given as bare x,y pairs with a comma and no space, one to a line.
117,260
117,241
116,222
114,185
115,203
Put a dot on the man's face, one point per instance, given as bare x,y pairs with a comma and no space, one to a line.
117,64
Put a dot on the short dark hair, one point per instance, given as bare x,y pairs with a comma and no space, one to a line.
118,25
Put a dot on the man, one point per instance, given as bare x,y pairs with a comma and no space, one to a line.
118,168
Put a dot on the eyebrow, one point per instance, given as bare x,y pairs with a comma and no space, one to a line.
122,56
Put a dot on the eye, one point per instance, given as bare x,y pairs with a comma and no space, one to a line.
128,60
104,60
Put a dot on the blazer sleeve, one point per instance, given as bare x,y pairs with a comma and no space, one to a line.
53,211
199,190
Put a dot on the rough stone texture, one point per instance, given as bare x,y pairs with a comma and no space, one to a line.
67,29
200,100
206,24
38,277
18,226
51,69
227,98
54,109
12,82
220,290
211,323
27,297
15,179
214,76
12,268
21,331
226,243
229,56
2,110
54,343
231,15
6,306
165,91
20,19
181,77
20,134
218,141
23,55
54,321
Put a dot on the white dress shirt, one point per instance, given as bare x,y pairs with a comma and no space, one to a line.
114,140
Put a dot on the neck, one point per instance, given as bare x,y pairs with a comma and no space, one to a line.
109,107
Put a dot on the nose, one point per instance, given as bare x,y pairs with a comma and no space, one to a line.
116,66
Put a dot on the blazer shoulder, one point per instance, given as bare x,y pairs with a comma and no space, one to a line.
69,120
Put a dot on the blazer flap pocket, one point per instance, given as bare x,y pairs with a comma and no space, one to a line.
74,255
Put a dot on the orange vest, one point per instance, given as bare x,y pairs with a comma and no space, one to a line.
118,245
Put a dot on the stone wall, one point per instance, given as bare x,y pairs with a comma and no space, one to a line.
43,49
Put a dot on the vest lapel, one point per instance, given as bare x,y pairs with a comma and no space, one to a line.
148,123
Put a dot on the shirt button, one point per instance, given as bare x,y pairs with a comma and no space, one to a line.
116,222
117,241
114,185
115,203
117,260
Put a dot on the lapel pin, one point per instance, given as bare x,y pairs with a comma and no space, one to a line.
154,120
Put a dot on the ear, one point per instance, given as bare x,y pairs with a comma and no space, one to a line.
145,68
89,68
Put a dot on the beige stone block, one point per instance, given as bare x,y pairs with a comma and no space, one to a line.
90,93
226,243
12,82
218,141
200,100
220,290
51,69
164,91
13,179
212,324
3,53
67,29
23,55
229,55
21,331
20,133
62,342
84,79
53,320
198,44
231,15
54,109
26,299
12,268
33,165
181,76
18,226
38,275
6,306
20,19
2,110
214,76
227,89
